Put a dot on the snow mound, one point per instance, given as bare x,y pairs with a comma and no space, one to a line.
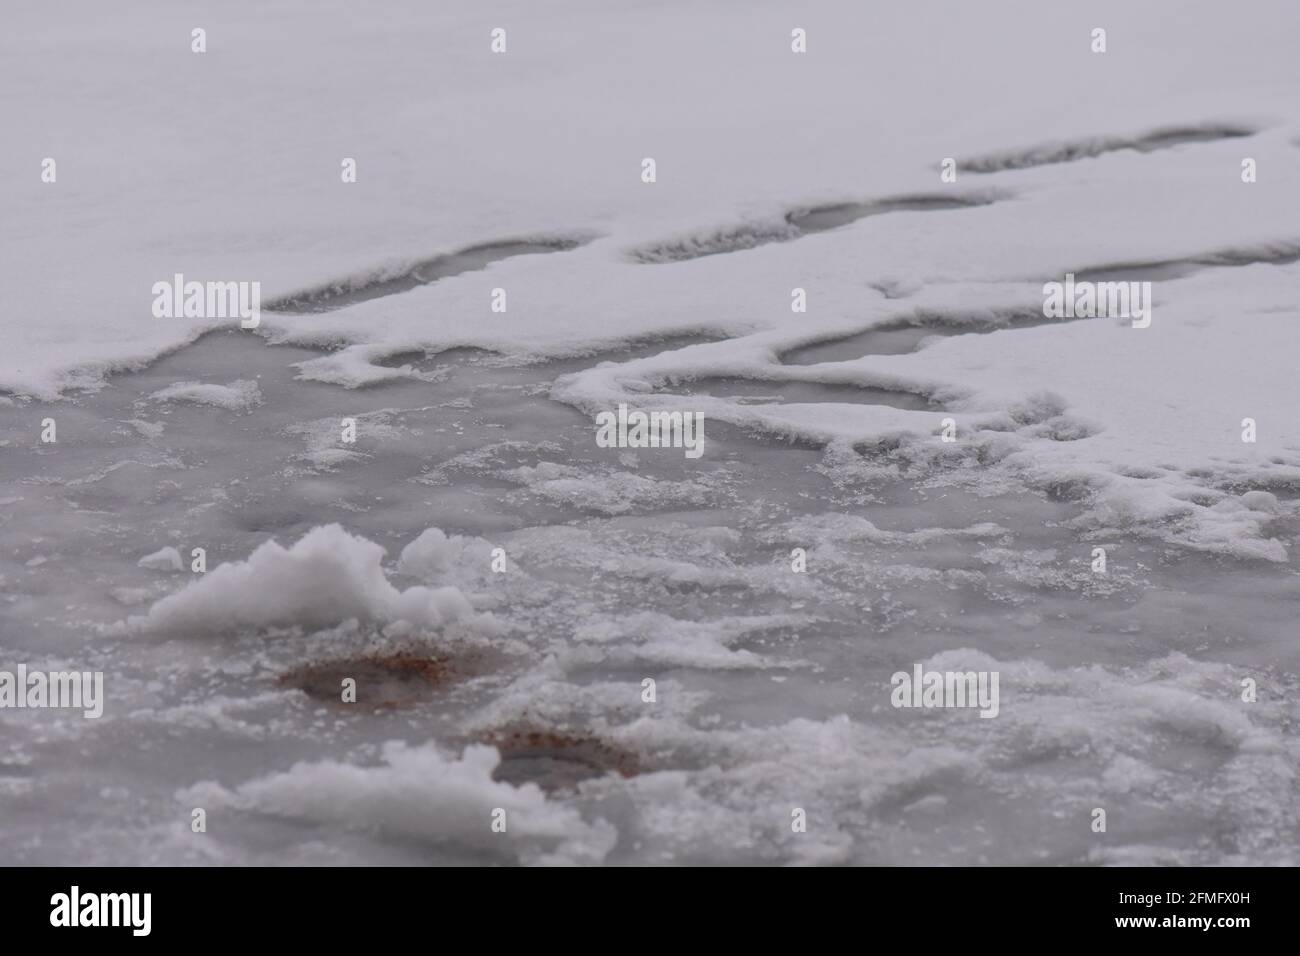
327,577
416,793
436,555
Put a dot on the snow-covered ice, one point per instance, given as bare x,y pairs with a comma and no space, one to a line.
510,585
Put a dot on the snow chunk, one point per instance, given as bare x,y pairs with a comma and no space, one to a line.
129,597
327,577
418,794
147,429
613,492
164,559
654,638
434,555
1261,501
238,396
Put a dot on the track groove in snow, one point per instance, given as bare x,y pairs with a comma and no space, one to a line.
797,223
1069,151
383,282
906,334
752,391
1279,254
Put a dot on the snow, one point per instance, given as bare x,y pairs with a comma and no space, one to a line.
484,154
417,793
239,395
1086,403
1122,688
660,639
435,556
328,576
164,559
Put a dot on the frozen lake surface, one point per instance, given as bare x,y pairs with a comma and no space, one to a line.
772,686
839,253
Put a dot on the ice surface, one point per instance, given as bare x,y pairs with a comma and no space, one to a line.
775,172
772,687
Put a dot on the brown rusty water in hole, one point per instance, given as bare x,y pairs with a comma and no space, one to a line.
557,760
389,680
